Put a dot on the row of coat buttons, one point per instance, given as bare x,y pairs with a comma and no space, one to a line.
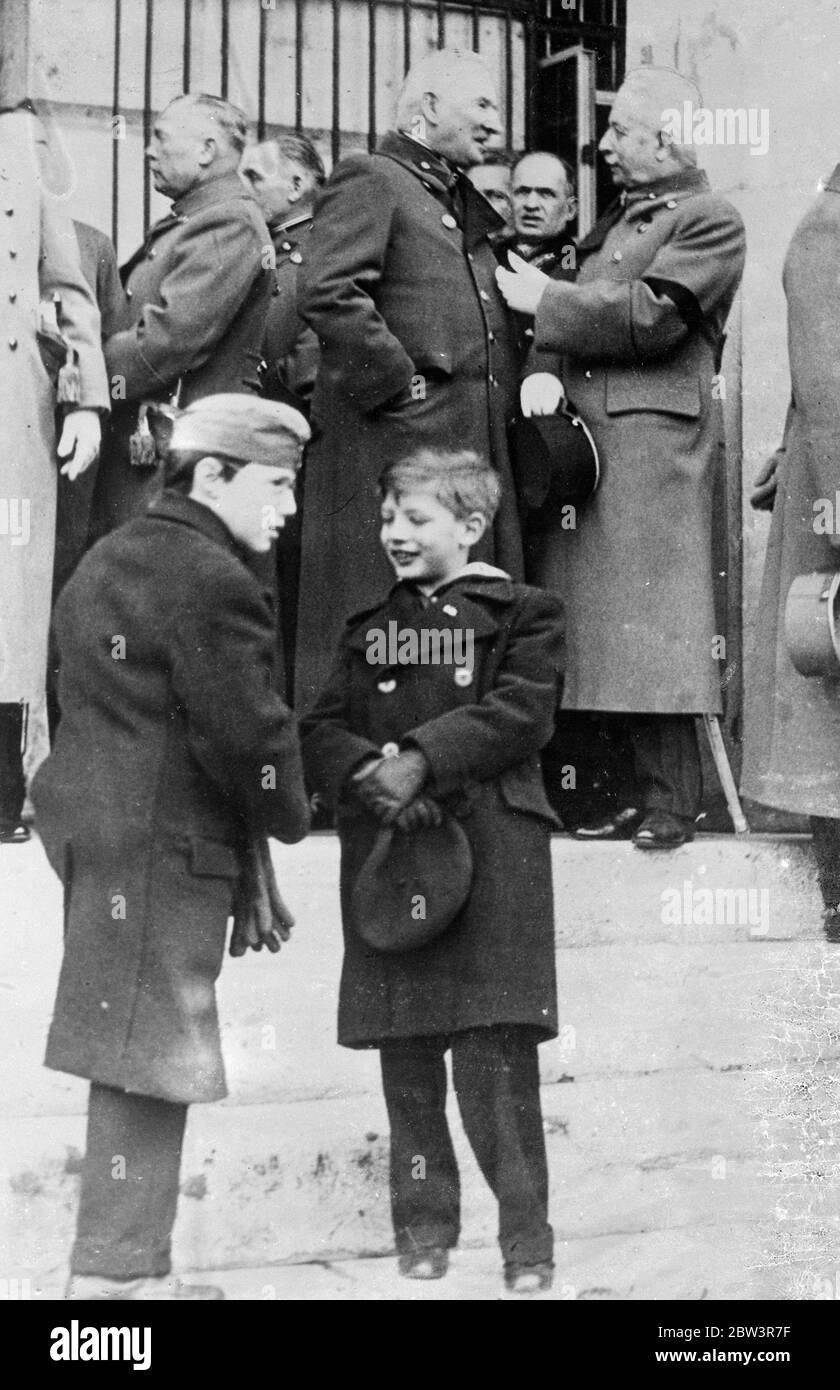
463,676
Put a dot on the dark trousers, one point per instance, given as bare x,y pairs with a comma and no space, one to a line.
651,761
826,833
12,781
496,1077
129,1186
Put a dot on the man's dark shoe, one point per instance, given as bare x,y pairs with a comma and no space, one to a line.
620,826
11,834
663,830
831,923
431,1263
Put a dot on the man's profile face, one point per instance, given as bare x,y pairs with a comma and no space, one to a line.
630,143
493,180
177,153
466,114
272,179
255,502
542,204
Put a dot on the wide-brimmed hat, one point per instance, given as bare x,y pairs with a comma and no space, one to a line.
412,885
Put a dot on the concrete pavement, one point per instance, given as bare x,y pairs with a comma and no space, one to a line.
688,1099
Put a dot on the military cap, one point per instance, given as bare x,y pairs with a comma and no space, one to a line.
238,426
412,885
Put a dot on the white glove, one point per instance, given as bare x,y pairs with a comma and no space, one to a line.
540,394
522,286
80,439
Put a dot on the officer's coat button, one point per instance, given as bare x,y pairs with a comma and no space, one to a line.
617,256
449,221
450,609
287,246
296,258
643,226
387,687
671,203
463,675
390,750
13,342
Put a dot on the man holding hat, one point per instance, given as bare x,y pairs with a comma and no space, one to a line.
174,756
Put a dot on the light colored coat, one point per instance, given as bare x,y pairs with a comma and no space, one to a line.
39,257
640,333
792,722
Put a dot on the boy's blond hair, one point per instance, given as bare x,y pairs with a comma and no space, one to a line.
461,481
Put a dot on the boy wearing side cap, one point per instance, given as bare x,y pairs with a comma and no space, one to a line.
174,758
438,705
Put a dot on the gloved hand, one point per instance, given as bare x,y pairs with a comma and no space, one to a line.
523,286
387,787
260,917
540,394
79,442
421,814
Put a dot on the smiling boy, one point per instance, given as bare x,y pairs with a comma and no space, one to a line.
402,745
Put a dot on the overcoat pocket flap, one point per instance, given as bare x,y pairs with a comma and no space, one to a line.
652,390
212,859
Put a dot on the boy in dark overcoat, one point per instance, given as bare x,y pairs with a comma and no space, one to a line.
395,741
174,754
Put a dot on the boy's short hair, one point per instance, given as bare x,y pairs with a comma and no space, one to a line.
461,481
179,467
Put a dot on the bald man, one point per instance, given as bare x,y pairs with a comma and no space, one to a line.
198,292
638,339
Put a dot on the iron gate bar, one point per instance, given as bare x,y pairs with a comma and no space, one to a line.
371,75
298,65
115,111
147,106
406,4
508,78
187,63
263,39
225,46
476,31
335,141
441,23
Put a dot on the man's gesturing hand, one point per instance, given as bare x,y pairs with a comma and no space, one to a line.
392,784
79,442
522,286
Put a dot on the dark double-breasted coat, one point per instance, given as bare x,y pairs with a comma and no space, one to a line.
398,282
495,963
639,334
792,722
173,747
290,348
197,291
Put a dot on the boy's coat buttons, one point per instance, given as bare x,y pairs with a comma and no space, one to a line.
390,750
387,687
449,221
463,676
450,610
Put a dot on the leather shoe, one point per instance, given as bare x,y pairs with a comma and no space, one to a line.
663,830
528,1279
94,1288
11,834
431,1263
620,826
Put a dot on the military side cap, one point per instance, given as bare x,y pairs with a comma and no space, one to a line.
556,462
412,886
239,426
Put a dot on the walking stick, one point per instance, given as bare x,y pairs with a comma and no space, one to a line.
724,772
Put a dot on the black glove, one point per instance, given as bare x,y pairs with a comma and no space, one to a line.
387,787
421,814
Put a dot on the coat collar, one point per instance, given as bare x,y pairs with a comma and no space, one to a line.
477,217
291,228
204,195
174,506
644,199
470,600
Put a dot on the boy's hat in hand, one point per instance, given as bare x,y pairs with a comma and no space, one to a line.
412,885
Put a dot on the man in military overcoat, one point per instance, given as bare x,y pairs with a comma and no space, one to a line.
198,291
639,336
417,348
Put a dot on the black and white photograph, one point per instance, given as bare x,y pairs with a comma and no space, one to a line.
420,659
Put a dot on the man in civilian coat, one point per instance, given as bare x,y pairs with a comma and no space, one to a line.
792,722
198,291
173,753
417,348
38,259
640,335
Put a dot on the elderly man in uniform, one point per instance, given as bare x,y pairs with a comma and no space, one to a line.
639,335
174,757
39,260
198,291
417,348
